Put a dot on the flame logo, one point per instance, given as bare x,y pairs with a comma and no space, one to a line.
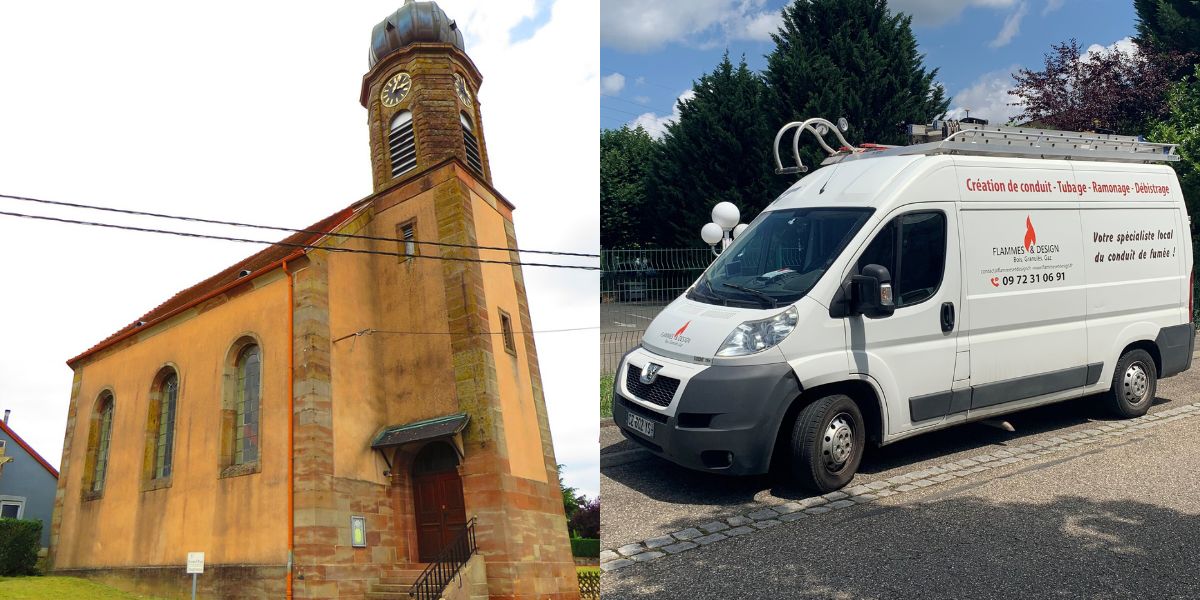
682,329
1030,234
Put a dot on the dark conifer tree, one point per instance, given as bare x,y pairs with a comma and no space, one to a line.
625,159
718,150
853,59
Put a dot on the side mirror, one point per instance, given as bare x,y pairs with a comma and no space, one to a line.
871,292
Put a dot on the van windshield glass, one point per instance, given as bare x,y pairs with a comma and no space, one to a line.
780,257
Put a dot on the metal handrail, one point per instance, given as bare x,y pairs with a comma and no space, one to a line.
442,570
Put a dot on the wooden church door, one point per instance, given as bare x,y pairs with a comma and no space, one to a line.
438,499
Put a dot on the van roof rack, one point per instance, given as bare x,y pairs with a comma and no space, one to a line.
957,137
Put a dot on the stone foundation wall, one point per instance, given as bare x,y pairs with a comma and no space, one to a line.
470,583
230,582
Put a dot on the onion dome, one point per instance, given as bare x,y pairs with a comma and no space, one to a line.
414,22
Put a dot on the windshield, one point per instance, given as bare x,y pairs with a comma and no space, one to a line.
780,257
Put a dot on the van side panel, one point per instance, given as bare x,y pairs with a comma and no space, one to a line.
1025,296
1134,270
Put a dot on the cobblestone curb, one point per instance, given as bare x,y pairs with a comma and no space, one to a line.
774,515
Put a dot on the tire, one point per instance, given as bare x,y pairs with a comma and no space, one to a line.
827,443
1134,384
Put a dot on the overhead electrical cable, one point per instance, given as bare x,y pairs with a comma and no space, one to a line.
291,244
371,331
140,213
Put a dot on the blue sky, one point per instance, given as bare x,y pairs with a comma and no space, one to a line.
651,51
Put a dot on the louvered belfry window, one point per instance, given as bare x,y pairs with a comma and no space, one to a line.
471,143
402,144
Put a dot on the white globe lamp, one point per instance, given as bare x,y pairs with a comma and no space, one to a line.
726,215
711,234
739,229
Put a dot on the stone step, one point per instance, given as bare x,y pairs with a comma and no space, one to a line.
391,588
387,596
401,581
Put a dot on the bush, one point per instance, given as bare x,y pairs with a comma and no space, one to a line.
585,547
19,543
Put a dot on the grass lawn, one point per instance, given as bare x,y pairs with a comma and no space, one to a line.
606,392
54,588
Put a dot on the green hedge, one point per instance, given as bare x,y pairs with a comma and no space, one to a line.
584,547
19,544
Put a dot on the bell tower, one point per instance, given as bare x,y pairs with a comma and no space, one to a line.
420,95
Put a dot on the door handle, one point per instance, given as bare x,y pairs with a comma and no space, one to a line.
947,316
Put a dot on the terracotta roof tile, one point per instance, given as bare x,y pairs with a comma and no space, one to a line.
268,257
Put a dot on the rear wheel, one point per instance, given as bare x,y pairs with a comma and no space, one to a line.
1134,384
827,443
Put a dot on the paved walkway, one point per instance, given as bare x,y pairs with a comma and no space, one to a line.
1068,506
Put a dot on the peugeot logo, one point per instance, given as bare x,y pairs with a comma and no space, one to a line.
650,373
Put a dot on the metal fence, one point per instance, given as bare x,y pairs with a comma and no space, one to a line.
634,286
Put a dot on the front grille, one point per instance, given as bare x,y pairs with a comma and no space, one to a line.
661,392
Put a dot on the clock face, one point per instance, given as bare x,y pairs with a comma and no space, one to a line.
460,86
395,89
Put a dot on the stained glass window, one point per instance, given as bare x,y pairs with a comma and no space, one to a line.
245,439
168,391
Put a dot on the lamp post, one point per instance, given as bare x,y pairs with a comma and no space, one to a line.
724,227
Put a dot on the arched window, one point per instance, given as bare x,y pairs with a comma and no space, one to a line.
471,142
249,375
161,429
402,144
99,438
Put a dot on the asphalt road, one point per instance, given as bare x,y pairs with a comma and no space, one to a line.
1117,518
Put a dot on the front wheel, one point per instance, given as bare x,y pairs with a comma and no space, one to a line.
1134,384
827,443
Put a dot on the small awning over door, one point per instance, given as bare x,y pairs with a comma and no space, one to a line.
448,428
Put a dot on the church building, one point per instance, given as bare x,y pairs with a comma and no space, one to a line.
355,411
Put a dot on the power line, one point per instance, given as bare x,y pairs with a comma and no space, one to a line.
285,229
290,244
370,331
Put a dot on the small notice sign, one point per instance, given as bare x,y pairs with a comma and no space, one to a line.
195,564
358,532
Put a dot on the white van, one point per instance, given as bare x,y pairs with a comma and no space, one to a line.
907,289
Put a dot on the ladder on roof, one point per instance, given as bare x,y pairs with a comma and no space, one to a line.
985,140
955,137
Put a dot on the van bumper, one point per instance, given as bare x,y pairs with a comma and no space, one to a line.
723,420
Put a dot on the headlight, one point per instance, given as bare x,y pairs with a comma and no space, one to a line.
756,336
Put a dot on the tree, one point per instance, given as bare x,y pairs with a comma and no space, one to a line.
1107,90
853,59
586,521
1182,126
570,496
718,150
1168,26
625,157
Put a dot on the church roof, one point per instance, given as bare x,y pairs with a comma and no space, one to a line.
28,449
261,262
413,22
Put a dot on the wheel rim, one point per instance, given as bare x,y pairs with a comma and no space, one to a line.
1135,385
838,442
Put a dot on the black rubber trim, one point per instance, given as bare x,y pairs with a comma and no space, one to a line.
1175,346
929,406
941,404
961,400
1020,388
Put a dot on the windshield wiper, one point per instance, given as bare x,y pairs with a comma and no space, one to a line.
771,301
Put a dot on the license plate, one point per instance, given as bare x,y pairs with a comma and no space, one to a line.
640,424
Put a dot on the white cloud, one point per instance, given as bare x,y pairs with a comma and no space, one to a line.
987,98
640,80
642,99
640,26
656,125
1124,45
1052,5
1011,27
934,13
240,141
612,84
